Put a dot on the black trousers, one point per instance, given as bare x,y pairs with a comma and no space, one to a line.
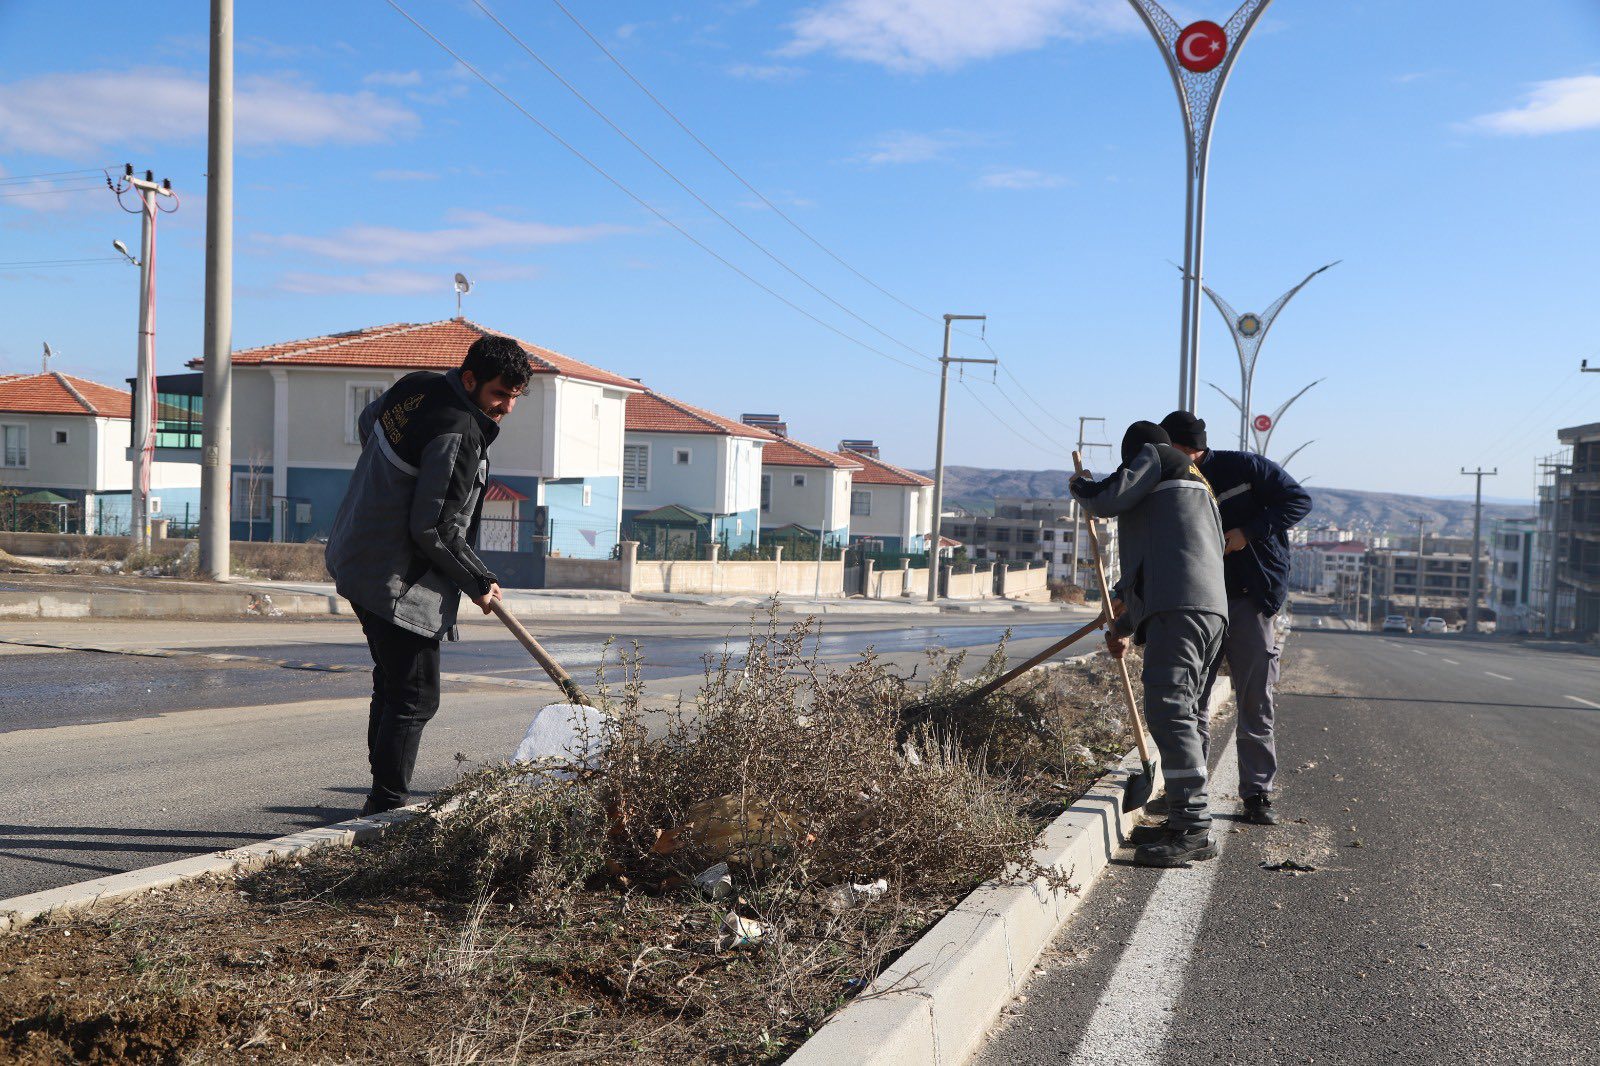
405,695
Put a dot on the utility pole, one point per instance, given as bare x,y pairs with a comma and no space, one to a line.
1555,545
938,449
1077,511
1417,612
144,396
1477,547
216,435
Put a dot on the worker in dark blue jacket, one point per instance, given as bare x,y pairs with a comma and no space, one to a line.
1260,503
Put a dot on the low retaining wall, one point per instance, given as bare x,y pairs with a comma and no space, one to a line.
741,577
564,573
975,584
1031,584
298,562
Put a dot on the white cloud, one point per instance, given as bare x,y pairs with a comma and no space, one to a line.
1556,106
913,35
903,146
1021,178
72,115
400,78
473,231
394,282
765,71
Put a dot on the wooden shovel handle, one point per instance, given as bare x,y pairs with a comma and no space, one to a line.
1053,650
551,667
1105,597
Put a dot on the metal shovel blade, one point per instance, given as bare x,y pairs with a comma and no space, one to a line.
1136,793
572,734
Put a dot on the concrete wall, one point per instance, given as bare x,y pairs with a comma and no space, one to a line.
889,584
1032,584
567,573
973,585
755,578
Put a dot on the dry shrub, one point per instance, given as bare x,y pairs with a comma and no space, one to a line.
282,562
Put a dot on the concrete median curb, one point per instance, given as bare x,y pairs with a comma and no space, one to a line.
936,1003
20,911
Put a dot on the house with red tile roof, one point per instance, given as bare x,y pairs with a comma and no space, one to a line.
70,436
676,455
891,508
803,485
295,441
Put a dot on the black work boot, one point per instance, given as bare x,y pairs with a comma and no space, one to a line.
1147,834
1177,849
1258,809
1157,805
374,806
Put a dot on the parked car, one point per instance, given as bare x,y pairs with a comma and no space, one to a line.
1396,623
1434,625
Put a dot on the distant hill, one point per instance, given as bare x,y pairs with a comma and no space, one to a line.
975,489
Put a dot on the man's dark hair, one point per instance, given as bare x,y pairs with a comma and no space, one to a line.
493,357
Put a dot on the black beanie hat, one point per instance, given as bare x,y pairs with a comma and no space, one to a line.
1185,429
1139,434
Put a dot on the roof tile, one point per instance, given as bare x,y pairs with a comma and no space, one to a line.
651,412
55,393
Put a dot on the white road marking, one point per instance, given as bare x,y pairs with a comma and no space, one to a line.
1129,1023
1502,677
1452,662
1418,651
1586,703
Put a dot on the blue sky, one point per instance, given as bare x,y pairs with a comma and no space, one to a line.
1020,158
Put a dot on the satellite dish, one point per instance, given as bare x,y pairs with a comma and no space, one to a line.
463,286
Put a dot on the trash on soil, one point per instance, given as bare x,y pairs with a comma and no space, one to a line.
715,881
731,829
262,605
871,889
846,896
740,932
1289,866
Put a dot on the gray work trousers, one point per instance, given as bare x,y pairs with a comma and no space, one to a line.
1251,648
1180,650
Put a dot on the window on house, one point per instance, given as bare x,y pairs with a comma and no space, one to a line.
15,439
1001,535
61,436
1001,553
252,496
680,457
636,466
360,394
1050,535
1026,536
155,505
766,493
860,503
799,481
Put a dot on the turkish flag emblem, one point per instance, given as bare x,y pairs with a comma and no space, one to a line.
1202,46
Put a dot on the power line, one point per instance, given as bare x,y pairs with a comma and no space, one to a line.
52,192
1026,392
1024,415
991,413
636,198
11,179
62,262
729,168
701,200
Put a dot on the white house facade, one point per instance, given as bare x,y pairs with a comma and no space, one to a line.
891,509
295,440
70,436
678,455
806,486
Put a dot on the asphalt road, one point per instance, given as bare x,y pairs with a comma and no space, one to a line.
112,761
1445,792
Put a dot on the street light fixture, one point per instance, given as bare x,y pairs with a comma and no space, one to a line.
123,249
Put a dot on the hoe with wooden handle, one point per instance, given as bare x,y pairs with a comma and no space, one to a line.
1137,791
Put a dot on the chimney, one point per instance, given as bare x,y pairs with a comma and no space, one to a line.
860,447
770,423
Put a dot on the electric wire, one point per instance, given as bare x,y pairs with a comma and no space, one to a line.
830,253
1518,427
50,192
701,200
12,179
991,413
1065,449
636,198
63,262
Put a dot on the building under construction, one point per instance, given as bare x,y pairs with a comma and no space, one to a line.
1569,513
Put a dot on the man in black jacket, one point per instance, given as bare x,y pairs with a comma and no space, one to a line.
401,546
1259,502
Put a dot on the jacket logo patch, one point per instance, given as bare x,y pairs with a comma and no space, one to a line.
397,416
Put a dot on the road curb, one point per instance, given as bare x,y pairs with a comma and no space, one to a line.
936,1003
21,911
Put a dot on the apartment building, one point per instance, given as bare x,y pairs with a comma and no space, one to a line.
1029,529
1575,515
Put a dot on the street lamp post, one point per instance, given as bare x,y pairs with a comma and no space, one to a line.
1249,331
1199,57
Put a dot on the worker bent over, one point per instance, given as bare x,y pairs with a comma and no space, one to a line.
1174,604
401,546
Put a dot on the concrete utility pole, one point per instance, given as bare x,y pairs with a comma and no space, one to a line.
938,449
1077,512
1417,612
1477,547
216,434
144,395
